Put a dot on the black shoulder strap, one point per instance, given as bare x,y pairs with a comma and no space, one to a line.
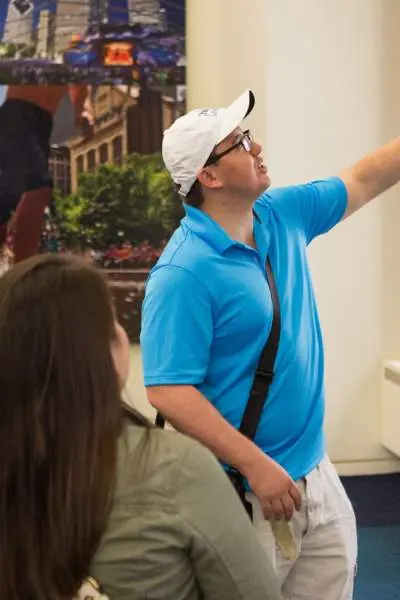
160,421
265,368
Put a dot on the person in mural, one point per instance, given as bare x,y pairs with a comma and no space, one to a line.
26,123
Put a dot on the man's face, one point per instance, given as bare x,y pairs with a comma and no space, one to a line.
240,170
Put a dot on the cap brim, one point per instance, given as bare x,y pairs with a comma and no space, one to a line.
236,113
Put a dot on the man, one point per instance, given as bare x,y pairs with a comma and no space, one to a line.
26,185
207,315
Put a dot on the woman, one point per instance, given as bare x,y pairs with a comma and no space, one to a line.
87,487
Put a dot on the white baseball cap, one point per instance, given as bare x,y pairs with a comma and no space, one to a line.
190,140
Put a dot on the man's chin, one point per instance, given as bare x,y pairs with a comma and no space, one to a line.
265,183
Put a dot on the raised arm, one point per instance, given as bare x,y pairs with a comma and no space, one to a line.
372,175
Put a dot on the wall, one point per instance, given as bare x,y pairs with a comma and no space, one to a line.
227,51
327,80
332,81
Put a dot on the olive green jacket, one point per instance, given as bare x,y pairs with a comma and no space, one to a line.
177,530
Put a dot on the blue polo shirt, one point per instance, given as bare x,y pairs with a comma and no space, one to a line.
207,314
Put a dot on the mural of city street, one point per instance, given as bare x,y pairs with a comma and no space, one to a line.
114,202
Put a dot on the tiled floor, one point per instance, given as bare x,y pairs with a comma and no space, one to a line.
376,501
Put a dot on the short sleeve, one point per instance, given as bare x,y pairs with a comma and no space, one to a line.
176,329
228,558
314,208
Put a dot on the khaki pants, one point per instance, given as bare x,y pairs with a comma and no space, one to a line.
325,534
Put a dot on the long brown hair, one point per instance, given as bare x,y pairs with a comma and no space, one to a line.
60,417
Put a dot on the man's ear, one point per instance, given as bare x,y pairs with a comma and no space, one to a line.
208,178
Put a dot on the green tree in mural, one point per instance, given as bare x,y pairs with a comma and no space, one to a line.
134,202
12,50
27,51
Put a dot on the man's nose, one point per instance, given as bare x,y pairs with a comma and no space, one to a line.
256,149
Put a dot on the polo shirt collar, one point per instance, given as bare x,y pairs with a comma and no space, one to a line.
207,229
213,234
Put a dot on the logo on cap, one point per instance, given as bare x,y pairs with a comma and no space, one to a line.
208,112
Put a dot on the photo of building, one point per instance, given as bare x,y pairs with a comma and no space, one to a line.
123,231
126,121
113,201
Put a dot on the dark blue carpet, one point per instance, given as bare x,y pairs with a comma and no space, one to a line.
376,501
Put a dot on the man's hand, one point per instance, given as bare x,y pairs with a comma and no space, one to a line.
88,111
85,122
86,119
84,114
276,491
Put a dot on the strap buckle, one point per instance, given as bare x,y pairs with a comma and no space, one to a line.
269,375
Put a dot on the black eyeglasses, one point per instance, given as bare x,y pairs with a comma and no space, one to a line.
246,142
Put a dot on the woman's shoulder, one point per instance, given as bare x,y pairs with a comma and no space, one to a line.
155,463
158,445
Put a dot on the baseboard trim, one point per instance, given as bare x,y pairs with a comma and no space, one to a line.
377,466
